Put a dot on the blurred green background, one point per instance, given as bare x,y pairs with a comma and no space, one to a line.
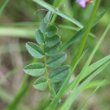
19,19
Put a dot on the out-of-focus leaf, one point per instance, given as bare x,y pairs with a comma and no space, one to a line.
98,17
3,5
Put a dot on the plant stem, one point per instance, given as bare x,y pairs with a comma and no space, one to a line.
3,6
50,86
54,103
56,4
86,33
22,91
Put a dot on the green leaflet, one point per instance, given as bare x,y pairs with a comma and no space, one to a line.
34,50
39,37
52,51
59,73
57,60
45,22
43,27
40,84
48,17
50,42
35,69
51,31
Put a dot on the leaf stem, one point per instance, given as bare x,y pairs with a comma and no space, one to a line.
50,86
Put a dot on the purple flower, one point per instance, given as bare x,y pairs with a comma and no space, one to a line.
83,3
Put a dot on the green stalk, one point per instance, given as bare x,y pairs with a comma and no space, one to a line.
22,91
3,6
86,33
50,86
58,12
55,101
56,4
17,32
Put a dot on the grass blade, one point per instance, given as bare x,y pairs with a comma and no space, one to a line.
76,92
58,12
85,69
53,104
79,32
87,29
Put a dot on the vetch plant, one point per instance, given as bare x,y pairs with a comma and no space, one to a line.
50,69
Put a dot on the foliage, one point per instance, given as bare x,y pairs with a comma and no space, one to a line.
50,68
64,63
